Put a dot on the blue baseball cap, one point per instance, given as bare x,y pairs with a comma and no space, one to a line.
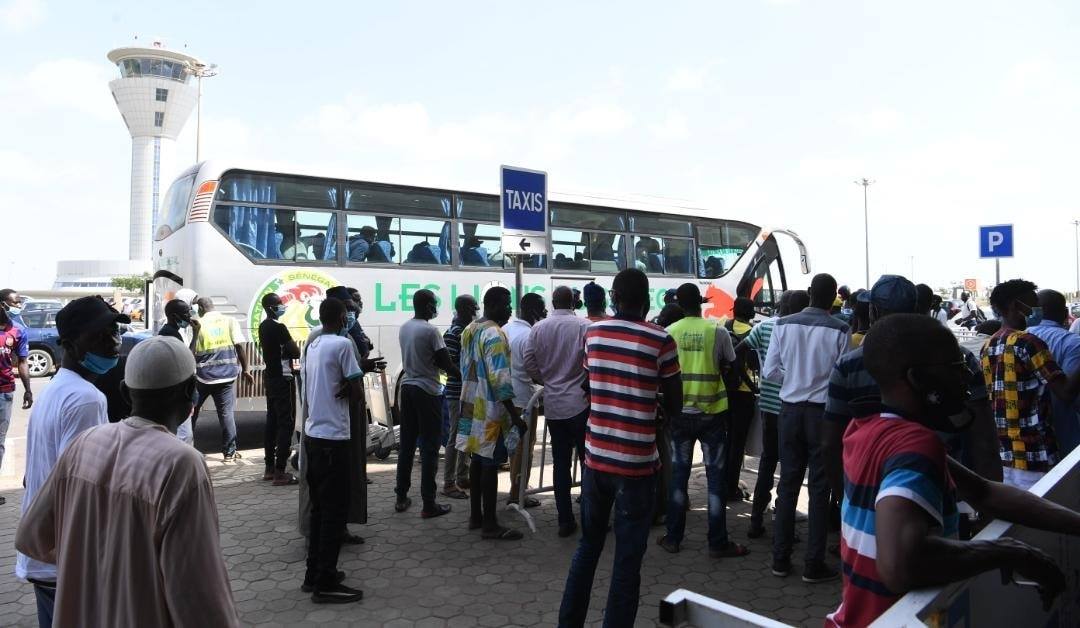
592,293
892,293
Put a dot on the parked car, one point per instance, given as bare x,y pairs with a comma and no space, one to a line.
45,351
42,304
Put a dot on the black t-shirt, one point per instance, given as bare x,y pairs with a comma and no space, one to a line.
273,336
168,329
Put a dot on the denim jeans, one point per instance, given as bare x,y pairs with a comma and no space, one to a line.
456,462
225,402
799,427
711,431
7,402
632,499
46,604
770,454
421,421
327,469
567,435
278,431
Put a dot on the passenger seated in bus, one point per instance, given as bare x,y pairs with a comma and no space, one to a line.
714,266
562,262
423,253
317,246
473,253
381,251
580,263
359,244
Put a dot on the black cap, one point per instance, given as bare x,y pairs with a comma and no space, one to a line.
86,314
341,293
689,294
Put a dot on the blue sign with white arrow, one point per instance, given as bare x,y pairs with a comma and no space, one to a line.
996,241
524,209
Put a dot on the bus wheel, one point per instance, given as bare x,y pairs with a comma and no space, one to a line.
382,453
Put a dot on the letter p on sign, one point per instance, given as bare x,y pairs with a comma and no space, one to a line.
996,241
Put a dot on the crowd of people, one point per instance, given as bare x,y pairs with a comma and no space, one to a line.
868,393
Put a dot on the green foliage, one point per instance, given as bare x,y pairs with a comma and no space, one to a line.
130,283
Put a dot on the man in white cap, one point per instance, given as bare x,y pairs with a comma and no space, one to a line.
133,493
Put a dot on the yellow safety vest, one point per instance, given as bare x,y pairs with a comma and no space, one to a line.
703,387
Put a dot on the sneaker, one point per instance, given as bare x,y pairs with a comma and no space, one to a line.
235,455
669,546
781,568
309,587
336,594
268,474
567,529
402,504
284,479
818,573
756,532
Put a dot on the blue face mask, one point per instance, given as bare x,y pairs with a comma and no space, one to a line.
182,324
97,364
279,311
1034,317
350,320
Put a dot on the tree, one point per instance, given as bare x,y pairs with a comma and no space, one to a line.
130,283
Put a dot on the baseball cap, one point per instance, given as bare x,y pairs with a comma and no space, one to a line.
341,293
689,294
592,293
187,295
86,314
158,362
892,293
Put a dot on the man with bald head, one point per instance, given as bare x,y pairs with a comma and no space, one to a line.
423,354
1065,347
554,356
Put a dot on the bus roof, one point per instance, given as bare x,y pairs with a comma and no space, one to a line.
214,169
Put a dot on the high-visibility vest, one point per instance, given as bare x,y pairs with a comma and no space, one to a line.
702,384
215,351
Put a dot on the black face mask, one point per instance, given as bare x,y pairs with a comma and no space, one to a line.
945,403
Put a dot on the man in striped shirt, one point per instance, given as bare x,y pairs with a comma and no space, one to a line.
456,473
901,489
628,360
791,302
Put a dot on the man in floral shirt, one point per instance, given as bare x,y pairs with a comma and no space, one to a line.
487,410
1017,367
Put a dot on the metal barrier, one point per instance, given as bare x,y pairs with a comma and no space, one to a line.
530,416
683,607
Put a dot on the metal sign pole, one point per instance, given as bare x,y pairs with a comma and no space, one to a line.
997,270
519,279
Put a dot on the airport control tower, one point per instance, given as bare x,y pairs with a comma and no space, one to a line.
155,94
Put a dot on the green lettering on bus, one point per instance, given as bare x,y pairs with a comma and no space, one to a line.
407,291
379,305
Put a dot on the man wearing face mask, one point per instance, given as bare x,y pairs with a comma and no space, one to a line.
900,519
178,318
90,336
130,492
1018,367
278,350
356,332
1065,347
423,354
219,360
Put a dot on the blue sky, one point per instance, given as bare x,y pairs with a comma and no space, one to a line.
964,113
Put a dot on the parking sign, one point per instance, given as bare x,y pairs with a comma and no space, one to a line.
996,241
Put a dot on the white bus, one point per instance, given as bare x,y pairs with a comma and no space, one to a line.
233,234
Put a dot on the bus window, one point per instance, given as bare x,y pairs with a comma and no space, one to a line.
315,234
277,234
173,211
648,255
406,202
587,218
570,249
658,225
425,241
277,190
478,208
606,252
372,239
480,244
677,256
720,245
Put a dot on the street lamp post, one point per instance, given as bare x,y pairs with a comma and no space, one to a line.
1076,238
866,183
200,70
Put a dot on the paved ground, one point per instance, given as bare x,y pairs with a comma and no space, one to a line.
438,573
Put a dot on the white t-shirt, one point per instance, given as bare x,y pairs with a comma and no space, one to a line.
420,341
517,332
942,316
69,406
966,308
329,361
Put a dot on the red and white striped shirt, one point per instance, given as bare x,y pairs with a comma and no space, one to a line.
626,360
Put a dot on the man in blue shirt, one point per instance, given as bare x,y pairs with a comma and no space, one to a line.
1065,347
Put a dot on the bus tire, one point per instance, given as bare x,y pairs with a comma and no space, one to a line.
382,453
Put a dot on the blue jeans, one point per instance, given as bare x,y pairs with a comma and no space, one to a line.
46,604
567,435
632,499
7,402
224,396
711,431
799,426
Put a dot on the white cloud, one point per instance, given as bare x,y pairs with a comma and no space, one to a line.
673,127
879,121
67,84
19,15
687,79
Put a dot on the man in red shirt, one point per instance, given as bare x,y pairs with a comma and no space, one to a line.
628,360
901,489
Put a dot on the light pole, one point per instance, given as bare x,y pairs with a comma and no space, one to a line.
866,183
1076,237
200,70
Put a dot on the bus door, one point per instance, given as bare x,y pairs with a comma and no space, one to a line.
164,287
765,279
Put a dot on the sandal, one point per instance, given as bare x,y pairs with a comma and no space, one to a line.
731,550
502,534
454,492
530,502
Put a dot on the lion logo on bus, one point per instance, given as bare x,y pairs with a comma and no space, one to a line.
301,292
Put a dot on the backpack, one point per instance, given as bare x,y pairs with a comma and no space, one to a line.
745,359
